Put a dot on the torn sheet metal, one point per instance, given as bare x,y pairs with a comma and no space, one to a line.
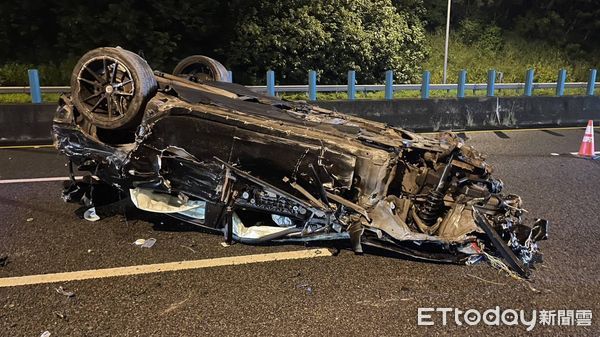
258,168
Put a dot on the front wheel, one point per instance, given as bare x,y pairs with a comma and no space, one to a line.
111,86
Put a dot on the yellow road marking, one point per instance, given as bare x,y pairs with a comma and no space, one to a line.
26,146
160,267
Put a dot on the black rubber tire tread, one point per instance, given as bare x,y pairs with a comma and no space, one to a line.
143,79
219,71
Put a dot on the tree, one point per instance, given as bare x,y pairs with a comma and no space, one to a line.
332,37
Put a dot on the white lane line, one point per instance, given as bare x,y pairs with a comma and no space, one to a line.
37,180
160,267
576,153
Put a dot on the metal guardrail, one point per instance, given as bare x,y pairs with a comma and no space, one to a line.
413,87
351,88
343,87
26,90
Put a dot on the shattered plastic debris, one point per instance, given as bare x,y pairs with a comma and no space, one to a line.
64,292
148,243
306,287
60,315
145,243
90,214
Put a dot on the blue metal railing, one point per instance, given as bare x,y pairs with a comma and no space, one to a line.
351,88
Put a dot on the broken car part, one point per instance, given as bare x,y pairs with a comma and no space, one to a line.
258,168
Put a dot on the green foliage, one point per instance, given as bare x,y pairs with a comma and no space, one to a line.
513,59
332,37
480,35
25,98
294,36
15,74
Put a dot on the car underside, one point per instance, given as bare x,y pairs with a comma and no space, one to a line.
260,169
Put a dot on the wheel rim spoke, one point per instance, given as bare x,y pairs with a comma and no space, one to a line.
123,93
114,72
109,103
98,78
93,96
105,67
95,84
98,103
119,85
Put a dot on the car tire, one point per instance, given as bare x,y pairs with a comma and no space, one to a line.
111,86
201,68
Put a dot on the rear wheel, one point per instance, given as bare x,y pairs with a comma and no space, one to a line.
111,86
201,68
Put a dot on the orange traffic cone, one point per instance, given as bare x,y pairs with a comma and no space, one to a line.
586,150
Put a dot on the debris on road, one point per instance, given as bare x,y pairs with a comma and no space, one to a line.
64,292
189,248
3,260
45,334
148,243
29,219
90,214
306,287
145,243
174,306
260,169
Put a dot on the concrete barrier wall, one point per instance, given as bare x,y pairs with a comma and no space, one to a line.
31,122
475,113
23,123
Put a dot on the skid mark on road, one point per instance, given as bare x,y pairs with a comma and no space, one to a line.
550,132
161,267
501,134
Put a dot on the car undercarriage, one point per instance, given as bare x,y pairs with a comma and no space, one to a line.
260,169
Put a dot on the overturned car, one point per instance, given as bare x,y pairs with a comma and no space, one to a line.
260,169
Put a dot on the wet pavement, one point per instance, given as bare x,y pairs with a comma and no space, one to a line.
344,294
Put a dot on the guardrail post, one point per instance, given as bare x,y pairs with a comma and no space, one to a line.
389,82
229,76
425,85
271,83
462,81
312,85
591,82
351,85
491,81
34,86
560,82
528,90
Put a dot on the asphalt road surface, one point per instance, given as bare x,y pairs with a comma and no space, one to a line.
344,294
